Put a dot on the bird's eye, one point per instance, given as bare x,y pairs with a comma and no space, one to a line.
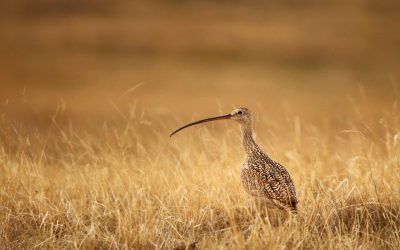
240,113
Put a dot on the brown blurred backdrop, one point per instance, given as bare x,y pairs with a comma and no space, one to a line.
307,58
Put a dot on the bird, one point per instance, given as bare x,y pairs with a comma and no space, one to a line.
261,176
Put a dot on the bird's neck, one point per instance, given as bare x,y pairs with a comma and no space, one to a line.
249,144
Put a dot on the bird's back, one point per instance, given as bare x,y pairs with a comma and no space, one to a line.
264,177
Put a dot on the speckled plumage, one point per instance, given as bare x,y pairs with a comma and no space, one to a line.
261,176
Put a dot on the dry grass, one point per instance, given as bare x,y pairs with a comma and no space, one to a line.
86,161
125,184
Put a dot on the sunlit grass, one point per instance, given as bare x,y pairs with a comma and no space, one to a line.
125,183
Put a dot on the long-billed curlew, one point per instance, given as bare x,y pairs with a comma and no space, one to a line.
261,176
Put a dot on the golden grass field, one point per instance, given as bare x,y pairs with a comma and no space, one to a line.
89,93
126,184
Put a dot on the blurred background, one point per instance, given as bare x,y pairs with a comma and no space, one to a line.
95,59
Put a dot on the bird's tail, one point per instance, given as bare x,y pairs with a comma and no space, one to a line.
292,206
293,209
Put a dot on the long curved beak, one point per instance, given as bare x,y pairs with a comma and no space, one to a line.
222,117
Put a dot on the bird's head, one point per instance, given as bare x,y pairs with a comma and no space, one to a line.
241,115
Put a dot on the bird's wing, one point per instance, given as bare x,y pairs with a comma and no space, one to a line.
275,183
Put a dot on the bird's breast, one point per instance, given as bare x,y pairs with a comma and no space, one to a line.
249,179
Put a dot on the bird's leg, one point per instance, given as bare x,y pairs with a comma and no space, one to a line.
261,208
